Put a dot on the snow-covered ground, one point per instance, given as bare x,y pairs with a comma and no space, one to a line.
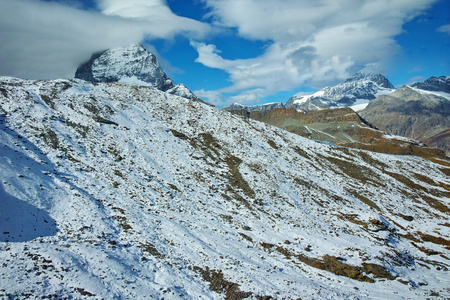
117,191
359,105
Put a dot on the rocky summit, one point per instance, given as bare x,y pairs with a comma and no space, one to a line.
132,64
436,84
121,191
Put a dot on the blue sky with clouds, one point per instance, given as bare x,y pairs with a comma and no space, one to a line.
245,51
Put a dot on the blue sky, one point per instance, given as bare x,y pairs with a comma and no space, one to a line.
245,51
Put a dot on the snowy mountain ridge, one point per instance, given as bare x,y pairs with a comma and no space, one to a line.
413,113
114,190
435,84
356,90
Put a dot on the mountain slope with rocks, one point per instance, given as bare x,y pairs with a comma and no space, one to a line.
113,190
341,126
413,113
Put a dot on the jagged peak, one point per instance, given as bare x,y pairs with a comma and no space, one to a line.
130,64
437,84
377,78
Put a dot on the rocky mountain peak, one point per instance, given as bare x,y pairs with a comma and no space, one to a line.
412,112
435,84
131,64
376,78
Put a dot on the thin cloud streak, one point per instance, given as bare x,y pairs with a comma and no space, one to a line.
444,29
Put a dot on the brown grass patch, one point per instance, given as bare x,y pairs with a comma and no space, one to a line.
365,200
236,179
151,249
337,266
272,144
352,170
301,152
218,284
425,250
422,192
435,240
246,237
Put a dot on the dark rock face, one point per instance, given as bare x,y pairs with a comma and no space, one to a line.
132,64
436,84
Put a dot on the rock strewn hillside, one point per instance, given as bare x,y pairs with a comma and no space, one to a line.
130,192
440,140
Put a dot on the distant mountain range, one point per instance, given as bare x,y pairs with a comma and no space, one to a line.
434,84
419,112
356,90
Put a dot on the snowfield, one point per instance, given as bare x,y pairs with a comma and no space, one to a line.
118,191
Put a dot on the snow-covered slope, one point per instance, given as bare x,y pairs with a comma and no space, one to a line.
119,191
356,90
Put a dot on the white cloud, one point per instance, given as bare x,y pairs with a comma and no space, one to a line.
313,42
156,17
444,29
49,40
